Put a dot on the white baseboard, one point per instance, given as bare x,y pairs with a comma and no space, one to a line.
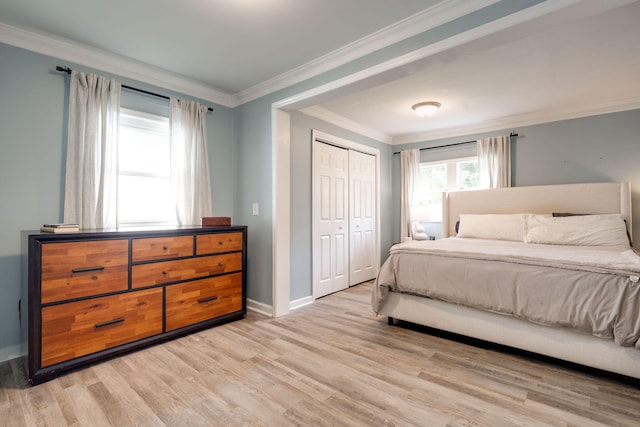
260,307
301,302
11,352
267,310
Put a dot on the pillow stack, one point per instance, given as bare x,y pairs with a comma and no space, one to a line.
582,230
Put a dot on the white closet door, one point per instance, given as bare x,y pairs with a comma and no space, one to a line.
362,182
330,219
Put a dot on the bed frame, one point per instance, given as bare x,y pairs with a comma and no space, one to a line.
561,343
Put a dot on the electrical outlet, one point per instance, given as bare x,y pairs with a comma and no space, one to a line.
256,208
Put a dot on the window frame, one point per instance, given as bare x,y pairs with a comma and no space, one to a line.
150,124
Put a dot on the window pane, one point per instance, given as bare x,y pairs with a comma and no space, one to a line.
468,174
145,199
144,163
434,179
432,182
144,153
144,143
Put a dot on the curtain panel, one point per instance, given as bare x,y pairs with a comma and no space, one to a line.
189,161
92,151
409,170
494,161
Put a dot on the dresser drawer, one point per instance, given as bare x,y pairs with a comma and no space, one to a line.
219,242
80,269
156,248
200,300
158,273
83,327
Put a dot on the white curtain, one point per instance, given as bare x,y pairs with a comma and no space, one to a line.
409,169
92,151
494,161
189,161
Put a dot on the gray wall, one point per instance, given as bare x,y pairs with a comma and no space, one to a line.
590,149
32,157
301,184
599,148
253,129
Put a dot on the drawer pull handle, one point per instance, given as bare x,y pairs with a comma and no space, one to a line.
165,273
203,300
110,322
84,270
221,264
165,248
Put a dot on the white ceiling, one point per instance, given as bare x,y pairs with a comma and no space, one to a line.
228,44
579,60
558,66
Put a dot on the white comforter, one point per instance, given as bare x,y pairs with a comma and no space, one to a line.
610,259
592,289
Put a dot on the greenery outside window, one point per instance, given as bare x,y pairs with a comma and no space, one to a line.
437,177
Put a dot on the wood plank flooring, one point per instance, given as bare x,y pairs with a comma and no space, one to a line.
331,363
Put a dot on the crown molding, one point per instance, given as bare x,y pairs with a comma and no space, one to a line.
373,74
438,14
513,122
80,54
347,124
425,20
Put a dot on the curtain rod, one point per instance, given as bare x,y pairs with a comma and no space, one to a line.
135,89
512,134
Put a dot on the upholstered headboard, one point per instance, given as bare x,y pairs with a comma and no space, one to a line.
593,198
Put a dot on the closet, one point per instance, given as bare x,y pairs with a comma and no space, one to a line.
345,243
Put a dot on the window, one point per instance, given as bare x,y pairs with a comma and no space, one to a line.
144,170
436,177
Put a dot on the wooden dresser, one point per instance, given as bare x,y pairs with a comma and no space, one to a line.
92,295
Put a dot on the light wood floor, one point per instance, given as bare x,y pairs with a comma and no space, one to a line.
331,363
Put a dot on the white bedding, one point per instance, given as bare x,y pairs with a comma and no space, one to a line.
590,289
621,260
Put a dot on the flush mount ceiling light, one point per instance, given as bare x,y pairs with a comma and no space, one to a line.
425,109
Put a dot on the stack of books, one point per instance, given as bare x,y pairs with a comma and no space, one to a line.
60,228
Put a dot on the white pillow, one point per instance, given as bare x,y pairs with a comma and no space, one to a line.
583,230
493,226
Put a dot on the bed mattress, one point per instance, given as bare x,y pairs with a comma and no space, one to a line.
594,290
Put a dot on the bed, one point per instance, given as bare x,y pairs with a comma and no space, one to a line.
489,290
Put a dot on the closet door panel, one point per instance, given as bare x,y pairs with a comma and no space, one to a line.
330,219
362,179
